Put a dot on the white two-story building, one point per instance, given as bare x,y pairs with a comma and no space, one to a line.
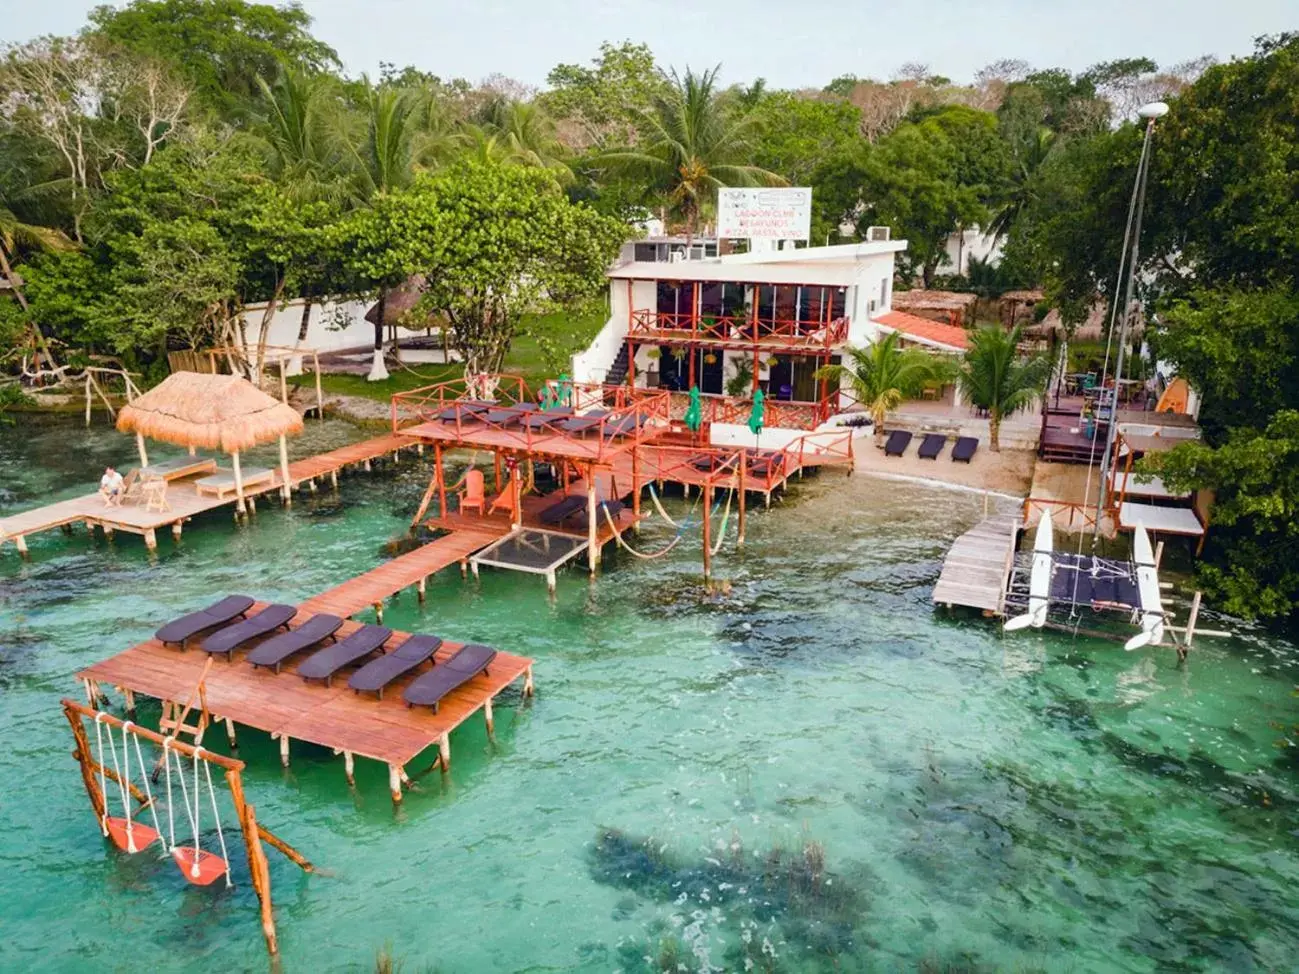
741,322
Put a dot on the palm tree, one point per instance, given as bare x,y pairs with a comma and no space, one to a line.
1019,192
15,234
526,136
997,378
695,143
883,374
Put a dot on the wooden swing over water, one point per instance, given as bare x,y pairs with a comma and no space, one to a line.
191,765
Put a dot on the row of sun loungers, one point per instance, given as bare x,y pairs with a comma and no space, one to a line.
427,690
529,415
931,445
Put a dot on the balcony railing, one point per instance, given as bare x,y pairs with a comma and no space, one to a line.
780,413
737,330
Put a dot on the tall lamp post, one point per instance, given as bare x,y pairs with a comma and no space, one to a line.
1151,113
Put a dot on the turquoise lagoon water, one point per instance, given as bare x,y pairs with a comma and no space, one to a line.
807,769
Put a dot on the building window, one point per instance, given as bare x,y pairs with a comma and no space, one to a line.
884,292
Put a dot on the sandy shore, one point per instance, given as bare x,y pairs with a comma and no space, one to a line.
1008,472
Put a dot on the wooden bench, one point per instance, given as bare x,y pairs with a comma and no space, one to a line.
222,482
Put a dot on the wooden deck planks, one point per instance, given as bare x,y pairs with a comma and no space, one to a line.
391,577
977,566
283,704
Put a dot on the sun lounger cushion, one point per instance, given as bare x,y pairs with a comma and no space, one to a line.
897,443
931,446
224,480
216,614
623,425
277,649
508,415
587,421
559,512
547,416
324,663
467,410
230,638
428,689
964,449
377,674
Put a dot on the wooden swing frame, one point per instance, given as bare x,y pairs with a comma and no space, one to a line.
254,833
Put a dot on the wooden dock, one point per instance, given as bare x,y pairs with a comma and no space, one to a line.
369,590
289,708
977,567
183,499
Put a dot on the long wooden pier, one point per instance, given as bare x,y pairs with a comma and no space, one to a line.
369,590
977,567
183,499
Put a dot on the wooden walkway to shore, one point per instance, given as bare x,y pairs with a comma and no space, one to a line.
977,567
369,590
184,500
289,708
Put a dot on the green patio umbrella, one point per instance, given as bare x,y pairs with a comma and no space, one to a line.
758,415
549,398
565,389
695,411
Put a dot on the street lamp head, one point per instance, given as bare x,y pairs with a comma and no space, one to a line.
1156,109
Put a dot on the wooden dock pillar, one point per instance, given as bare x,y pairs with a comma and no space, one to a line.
592,549
333,479
349,767
739,539
444,752
394,783
708,530
311,485
419,448
419,589
130,703
1184,647
528,688
286,489
108,533
550,582
487,713
150,539
378,612
176,530
230,735
464,568
21,544
368,466
284,750
239,482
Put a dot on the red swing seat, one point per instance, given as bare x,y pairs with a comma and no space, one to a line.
142,835
210,866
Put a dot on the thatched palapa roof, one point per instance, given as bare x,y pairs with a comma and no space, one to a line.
209,411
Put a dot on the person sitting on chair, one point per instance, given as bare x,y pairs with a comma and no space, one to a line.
110,487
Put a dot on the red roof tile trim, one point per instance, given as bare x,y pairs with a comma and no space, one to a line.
922,329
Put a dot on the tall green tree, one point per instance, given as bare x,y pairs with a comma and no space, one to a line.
883,374
604,104
490,242
994,376
221,47
694,144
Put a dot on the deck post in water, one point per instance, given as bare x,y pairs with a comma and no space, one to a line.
130,703
286,489
150,539
528,688
487,714
239,482
284,750
444,752
419,588
1184,648
708,529
21,544
176,530
739,540
378,612
440,476
394,783
230,734
591,534
635,489
349,767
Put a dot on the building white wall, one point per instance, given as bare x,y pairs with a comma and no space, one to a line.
334,325
975,243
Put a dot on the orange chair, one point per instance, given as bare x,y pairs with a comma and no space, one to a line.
504,501
471,494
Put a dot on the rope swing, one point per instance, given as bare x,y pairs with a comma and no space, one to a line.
721,531
127,835
197,865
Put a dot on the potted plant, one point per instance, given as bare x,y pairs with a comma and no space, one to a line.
652,371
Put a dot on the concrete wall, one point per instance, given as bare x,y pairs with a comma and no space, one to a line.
972,243
334,325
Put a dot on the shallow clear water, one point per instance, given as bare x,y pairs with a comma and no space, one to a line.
980,802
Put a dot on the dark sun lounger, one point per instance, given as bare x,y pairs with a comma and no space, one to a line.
583,423
545,417
277,649
378,673
324,663
466,411
217,614
558,512
230,638
897,443
429,689
931,446
964,449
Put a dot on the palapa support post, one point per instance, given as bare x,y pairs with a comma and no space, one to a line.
394,783
590,518
139,445
286,488
239,482
444,752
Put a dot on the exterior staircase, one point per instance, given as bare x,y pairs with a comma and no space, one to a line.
617,373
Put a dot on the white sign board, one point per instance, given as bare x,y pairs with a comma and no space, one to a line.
765,214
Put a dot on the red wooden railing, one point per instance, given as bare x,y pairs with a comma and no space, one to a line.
737,330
